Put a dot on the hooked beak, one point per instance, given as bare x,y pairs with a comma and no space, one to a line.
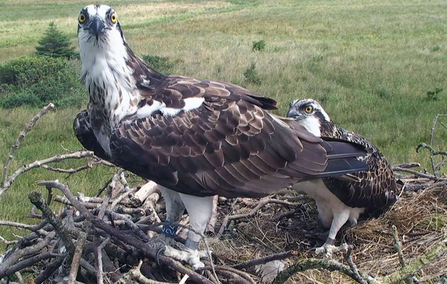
292,113
96,27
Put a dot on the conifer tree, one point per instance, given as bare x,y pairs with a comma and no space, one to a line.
55,44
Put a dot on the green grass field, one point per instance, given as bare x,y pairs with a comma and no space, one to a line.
371,64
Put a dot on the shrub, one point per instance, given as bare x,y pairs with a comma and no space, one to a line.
55,44
160,63
25,71
37,81
251,75
433,95
258,45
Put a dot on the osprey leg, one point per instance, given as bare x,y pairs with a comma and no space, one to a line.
200,210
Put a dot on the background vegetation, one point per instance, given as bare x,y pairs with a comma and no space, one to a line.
378,67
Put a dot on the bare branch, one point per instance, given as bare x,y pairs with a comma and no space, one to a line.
263,260
259,205
312,263
8,180
126,238
28,126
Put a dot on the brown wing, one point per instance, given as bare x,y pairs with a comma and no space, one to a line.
375,188
228,146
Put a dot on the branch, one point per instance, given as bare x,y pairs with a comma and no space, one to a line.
7,181
37,199
260,204
263,260
126,238
419,174
312,263
28,126
418,264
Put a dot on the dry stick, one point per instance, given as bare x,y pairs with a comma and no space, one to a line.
241,274
77,257
6,182
398,247
98,260
260,204
129,239
264,260
418,264
36,198
27,263
135,275
312,263
355,271
431,141
44,275
73,171
432,177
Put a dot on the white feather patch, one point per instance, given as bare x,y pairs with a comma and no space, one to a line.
312,124
190,104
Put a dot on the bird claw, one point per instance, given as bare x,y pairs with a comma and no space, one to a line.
178,251
185,254
329,249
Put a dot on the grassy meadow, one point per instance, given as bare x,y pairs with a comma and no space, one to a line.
371,64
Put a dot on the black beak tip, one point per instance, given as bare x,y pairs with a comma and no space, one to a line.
96,27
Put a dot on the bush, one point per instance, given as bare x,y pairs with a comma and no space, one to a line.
36,81
55,44
161,64
258,45
251,75
25,71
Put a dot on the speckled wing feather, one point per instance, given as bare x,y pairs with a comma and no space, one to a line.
228,146
376,187
85,135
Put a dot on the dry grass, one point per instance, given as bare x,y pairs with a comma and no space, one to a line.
419,217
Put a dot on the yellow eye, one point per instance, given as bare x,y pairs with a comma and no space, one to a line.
82,18
309,109
113,17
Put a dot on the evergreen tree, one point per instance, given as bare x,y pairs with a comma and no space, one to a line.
55,44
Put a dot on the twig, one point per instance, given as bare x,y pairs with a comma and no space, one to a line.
398,247
260,204
77,258
50,269
263,260
98,258
6,182
432,177
312,263
356,275
418,264
433,153
28,262
127,238
37,199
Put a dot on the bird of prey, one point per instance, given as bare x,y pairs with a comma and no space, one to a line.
338,199
194,138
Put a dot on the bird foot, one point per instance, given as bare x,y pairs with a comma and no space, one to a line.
178,251
329,249
185,254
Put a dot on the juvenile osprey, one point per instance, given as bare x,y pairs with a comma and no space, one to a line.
339,200
195,138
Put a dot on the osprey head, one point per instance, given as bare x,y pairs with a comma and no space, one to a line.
98,25
310,114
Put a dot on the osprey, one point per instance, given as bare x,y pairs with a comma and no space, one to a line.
339,200
195,138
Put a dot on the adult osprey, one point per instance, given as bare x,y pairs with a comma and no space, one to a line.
195,138
340,200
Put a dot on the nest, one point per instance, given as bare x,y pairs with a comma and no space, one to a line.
418,218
